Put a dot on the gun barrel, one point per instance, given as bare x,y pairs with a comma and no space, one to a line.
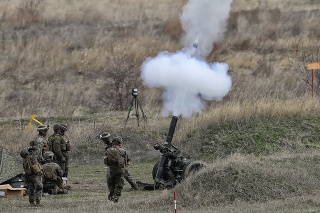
172,128
163,158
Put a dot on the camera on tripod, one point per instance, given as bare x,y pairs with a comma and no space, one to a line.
134,92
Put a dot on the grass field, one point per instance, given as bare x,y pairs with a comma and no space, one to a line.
88,192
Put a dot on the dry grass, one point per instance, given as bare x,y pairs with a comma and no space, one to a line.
55,62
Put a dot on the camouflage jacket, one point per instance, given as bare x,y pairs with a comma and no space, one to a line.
59,146
52,171
115,160
35,152
41,142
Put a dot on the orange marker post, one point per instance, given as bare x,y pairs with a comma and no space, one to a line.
313,67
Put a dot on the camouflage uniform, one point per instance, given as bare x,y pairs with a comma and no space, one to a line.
52,174
33,175
60,148
40,141
35,151
115,181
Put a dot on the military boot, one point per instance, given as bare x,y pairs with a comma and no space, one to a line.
115,199
110,197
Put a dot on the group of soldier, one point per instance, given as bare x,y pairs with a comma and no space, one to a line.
46,163
117,162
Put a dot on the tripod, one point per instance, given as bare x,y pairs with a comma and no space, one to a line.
136,103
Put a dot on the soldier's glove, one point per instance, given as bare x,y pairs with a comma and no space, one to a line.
63,160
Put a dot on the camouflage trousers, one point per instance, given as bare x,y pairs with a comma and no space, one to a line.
35,187
65,167
129,178
108,174
115,185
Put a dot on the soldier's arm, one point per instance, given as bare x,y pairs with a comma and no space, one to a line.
57,149
125,156
40,158
34,158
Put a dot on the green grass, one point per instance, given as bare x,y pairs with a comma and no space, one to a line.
258,136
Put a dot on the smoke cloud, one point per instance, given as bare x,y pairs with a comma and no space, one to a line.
205,20
187,79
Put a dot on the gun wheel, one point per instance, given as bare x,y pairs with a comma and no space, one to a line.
192,168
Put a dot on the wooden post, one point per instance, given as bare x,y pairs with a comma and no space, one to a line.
313,67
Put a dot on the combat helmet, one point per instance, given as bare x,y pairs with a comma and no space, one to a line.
24,153
48,155
117,140
104,135
43,128
62,127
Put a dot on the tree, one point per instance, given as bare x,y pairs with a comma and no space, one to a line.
123,74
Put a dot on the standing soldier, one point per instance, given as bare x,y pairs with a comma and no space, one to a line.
60,148
105,137
33,175
116,163
40,141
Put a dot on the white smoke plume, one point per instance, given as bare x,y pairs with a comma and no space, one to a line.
205,20
187,80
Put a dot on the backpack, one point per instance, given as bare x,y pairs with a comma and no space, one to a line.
29,168
114,158
48,172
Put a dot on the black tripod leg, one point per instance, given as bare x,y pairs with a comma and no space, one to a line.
131,105
136,105
143,115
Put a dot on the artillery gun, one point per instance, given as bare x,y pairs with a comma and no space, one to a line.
173,166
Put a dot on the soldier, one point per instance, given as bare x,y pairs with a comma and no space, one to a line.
53,173
105,137
40,141
116,163
33,175
60,148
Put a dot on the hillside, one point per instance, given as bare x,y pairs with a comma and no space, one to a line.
62,58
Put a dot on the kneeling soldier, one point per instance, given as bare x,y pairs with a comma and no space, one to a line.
53,173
